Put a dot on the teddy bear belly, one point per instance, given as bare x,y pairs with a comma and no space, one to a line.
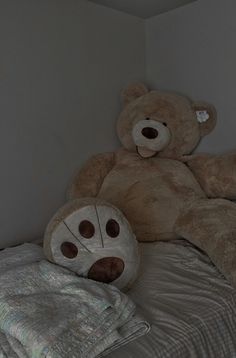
151,204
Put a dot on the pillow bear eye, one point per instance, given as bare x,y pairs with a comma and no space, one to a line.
86,229
69,250
112,228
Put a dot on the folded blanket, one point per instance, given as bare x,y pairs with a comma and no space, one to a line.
47,311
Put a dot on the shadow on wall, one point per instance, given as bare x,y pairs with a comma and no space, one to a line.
62,66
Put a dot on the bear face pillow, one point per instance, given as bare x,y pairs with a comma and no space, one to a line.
94,240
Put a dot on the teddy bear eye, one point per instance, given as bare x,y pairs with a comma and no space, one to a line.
147,118
112,228
69,250
86,229
164,124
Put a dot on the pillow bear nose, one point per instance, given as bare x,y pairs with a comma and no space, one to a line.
149,132
106,270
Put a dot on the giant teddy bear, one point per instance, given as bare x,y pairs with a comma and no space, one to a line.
163,190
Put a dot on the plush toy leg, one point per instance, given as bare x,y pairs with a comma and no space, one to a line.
210,224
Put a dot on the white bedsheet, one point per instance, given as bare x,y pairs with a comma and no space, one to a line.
191,307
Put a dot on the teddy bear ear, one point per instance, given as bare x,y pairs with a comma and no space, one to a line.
132,92
206,117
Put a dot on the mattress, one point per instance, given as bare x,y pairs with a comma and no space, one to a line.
189,304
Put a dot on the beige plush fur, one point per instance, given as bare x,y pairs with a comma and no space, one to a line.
169,194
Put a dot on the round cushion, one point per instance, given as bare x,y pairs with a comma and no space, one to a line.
93,239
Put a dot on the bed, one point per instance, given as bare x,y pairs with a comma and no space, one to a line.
189,304
191,307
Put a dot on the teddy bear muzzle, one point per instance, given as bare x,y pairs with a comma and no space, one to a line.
107,269
150,137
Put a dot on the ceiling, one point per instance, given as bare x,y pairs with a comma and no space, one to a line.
143,8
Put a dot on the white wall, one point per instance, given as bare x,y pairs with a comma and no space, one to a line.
62,65
192,50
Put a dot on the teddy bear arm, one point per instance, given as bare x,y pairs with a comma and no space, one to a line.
216,174
88,180
210,224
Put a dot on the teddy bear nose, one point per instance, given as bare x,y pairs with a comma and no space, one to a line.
106,270
149,132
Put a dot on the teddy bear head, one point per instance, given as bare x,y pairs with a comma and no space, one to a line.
162,123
